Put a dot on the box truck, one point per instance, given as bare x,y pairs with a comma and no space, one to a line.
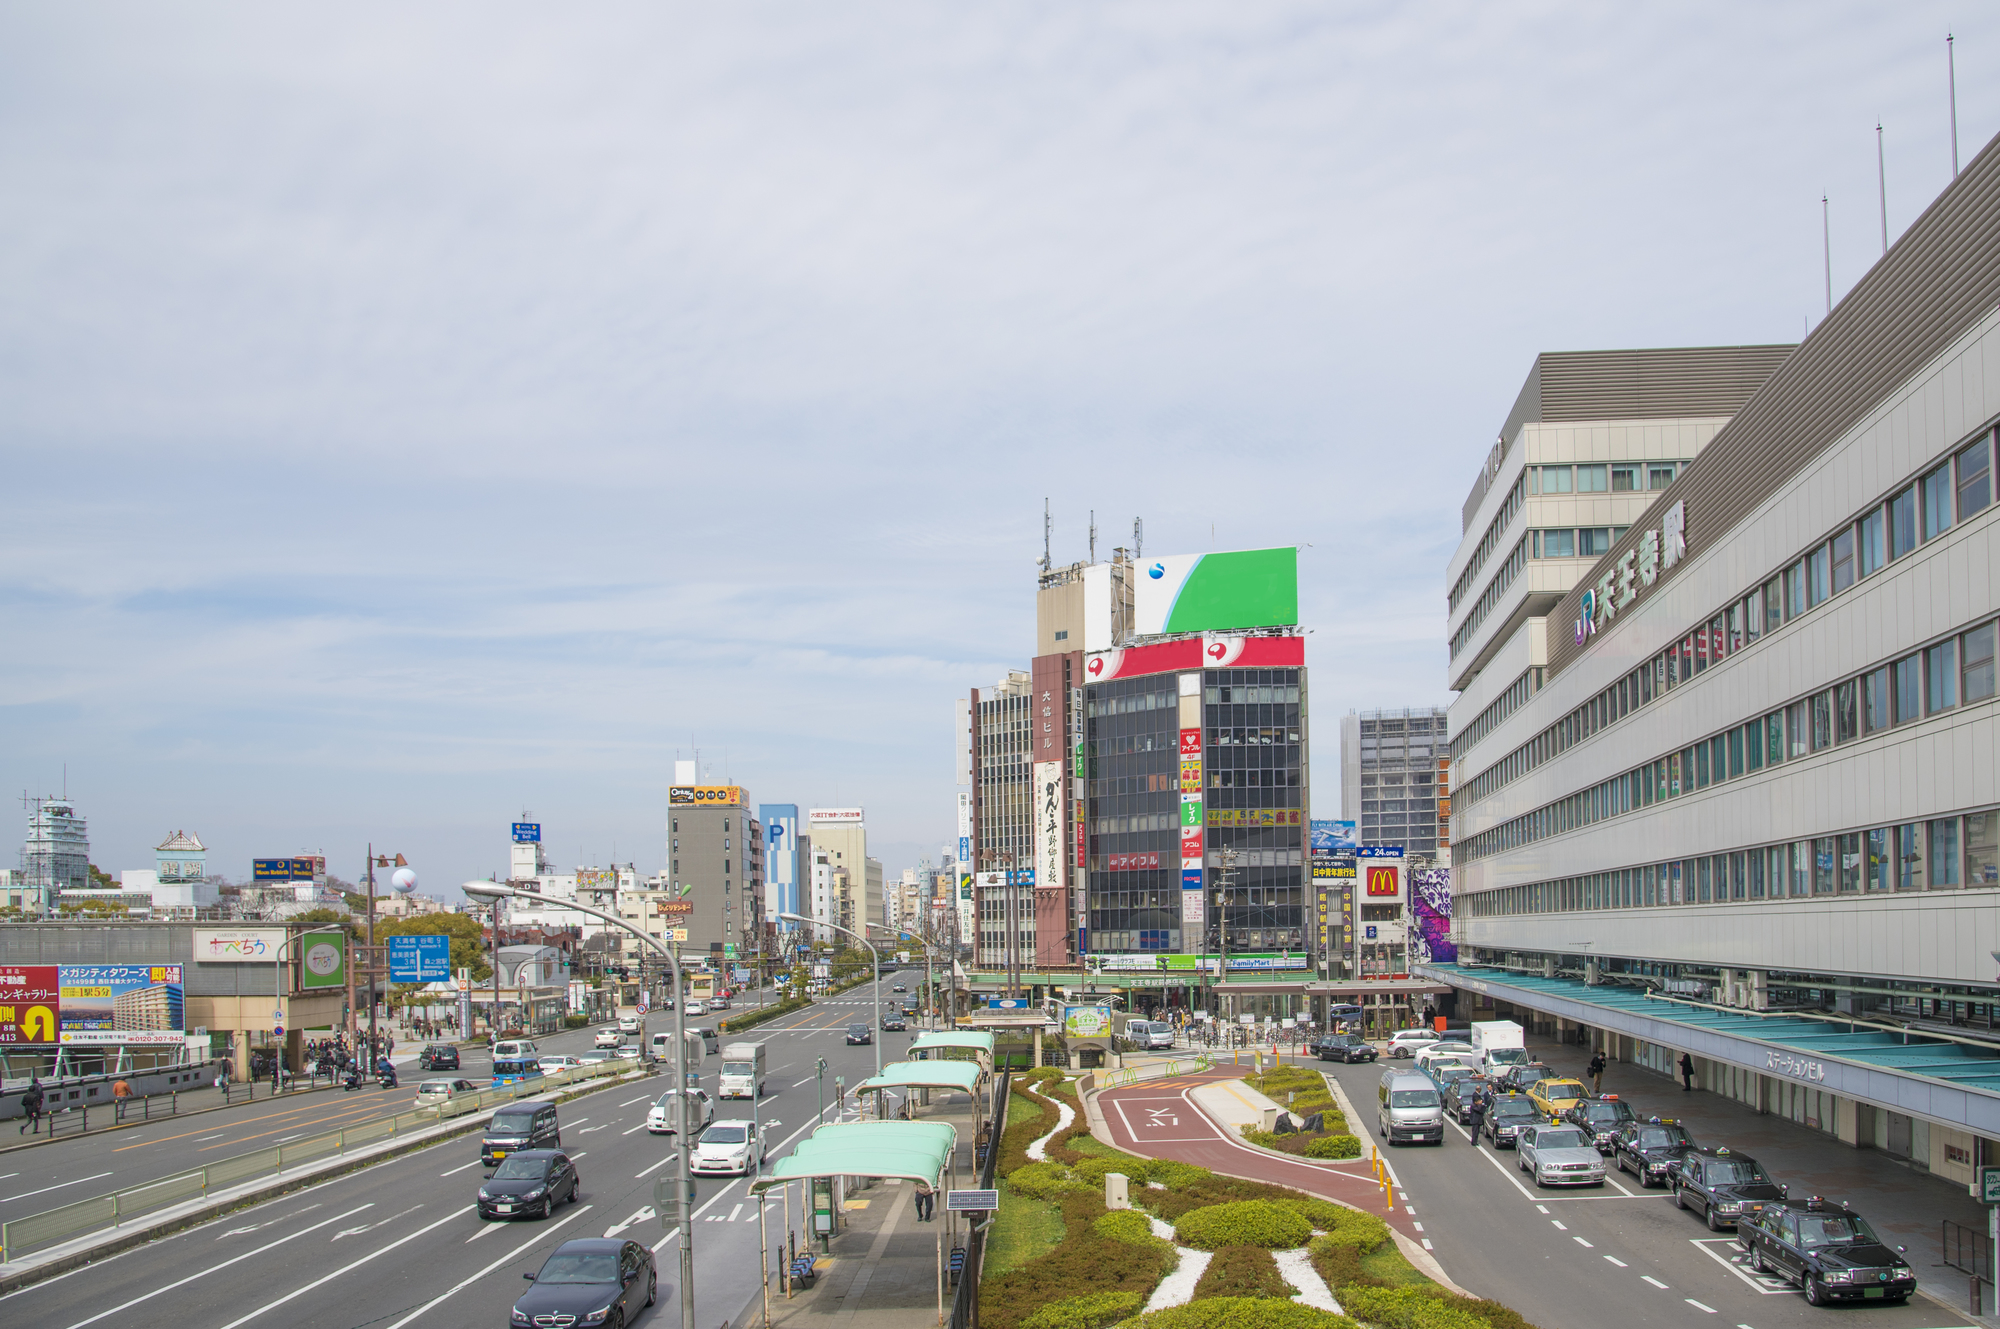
1499,1044
742,1071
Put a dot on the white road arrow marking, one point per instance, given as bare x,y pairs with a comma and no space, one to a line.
370,1227
258,1227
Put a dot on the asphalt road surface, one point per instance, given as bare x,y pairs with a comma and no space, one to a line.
400,1242
1585,1257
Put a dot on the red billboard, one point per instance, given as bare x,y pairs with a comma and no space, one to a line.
30,1003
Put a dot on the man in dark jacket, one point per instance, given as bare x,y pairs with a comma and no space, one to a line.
31,1104
1687,1073
1475,1117
1596,1073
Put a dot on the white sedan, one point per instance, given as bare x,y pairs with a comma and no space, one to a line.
1408,1042
663,1117
609,1037
696,1008
551,1064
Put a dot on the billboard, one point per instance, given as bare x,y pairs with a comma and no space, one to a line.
1430,917
419,958
325,963
288,869
1050,859
1245,588
834,817
781,859
1086,1021
1332,837
527,832
1193,653
1136,861
1384,879
705,795
238,945
91,1004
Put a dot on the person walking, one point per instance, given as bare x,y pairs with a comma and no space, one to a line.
121,1089
1596,1072
926,1202
31,1105
1687,1073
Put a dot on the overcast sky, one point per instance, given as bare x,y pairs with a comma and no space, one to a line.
410,419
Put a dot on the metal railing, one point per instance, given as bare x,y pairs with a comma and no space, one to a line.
964,1313
1156,1071
113,1208
1966,1249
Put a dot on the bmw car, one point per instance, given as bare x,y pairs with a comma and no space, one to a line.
1828,1250
587,1283
1726,1188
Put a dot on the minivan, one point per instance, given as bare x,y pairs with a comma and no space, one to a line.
1150,1035
518,1126
1408,1108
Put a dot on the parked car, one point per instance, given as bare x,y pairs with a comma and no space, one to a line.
1409,1042
1600,1120
438,1057
590,1281
1557,1095
1828,1250
1650,1149
1508,1115
1558,1156
1344,1048
1728,1189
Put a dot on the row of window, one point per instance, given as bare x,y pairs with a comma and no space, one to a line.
1516,561
1618,477
1490,541
1579,542
1945,853
1498,709
1956,671
1955,489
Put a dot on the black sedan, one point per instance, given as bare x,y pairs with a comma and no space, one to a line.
1726,1188
1459,1096
438,1057
1344,1048
529,1183
1506,1117
1828,1250
1650,1149
894,1022
1600,1119
590,1281
859,1033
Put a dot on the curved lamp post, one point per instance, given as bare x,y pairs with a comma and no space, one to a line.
494,892
874,1038
930,980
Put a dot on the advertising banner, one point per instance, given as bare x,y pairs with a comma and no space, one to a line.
273,870
1086,1021
29,999
1133,862
1191,963
1050,798
1254,816
419,959
1194,915
1177,656
835,817
1332,837
1245,588
1430,917
705,795
104,1004
1191,846
325,962
527,832
670,908
238,945
1111,964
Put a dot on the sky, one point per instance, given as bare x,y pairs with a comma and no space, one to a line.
415,416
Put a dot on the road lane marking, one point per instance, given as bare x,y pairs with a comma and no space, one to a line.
234,1259
808,1080
1620,1263
733,1212
1581,1242
1559,1226
324,1279
58,1186
599,1127
1418,1226
462,1167
1767,1284
640,1127
1508,1173
540,1233
630,1101
217,1136
269,1222
637,1176
5,1175
1698,1306
486,1226
370,1227
1542,1208
292,1111
1648,1278
1618,1185
1427,1244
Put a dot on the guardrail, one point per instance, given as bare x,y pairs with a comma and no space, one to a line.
115,1207
1158,1070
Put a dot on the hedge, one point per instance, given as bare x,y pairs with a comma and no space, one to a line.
1043,1181
1243,1271
1334,1146
1324,1215
1086,1262
1242,1313
1353,1227
736,1024
1243,1223
1094,1310
1406,1308
1125,1225
1200,1188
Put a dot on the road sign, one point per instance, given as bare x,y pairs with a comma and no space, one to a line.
419,959
277,1031
1989,1185
971,1201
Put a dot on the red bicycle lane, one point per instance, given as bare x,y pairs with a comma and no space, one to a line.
1159,1119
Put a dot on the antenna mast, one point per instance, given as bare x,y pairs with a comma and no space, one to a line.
1826,242
1093,535
1951,83
1882,184
1047,528
1138,539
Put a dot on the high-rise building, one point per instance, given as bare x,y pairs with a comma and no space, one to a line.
56,856
840,838
1392,767
1746,805
714,864
997,766
784,861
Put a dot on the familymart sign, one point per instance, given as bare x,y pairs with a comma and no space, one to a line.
1634,573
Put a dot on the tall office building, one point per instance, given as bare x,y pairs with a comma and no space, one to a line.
714,864
840,837
1393,774
785,864
56,855
1745,806
996,763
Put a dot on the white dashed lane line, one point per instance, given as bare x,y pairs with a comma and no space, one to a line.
1698,1306
1615,1260
1648,1278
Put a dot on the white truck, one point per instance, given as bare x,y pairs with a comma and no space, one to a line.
1498,1044
742,1071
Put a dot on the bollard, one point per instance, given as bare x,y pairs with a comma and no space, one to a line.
1975,1296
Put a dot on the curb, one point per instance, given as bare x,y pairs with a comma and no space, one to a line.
15,1277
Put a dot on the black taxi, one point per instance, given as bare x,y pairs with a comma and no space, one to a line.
1828,1250
1600,1119
1723,1186
1649,1149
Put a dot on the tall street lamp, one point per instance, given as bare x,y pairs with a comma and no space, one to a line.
874,1039
493,892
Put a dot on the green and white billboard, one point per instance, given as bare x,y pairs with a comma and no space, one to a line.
1245,588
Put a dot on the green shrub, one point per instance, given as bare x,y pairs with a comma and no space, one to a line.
1243,1271
1094,1169
1042,1181
1324,1215
1199,1192
1243,1223
1338,1266
1084,1262
1352,1227
1334,1146
1408,1308
1125,1225
1174,1174
1093,1310
1242,1313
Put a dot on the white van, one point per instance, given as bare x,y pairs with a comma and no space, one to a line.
1151,1035
1409,1108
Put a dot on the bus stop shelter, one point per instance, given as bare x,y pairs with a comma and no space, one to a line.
963,1077
955,1045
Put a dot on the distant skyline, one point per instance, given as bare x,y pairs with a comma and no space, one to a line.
417,416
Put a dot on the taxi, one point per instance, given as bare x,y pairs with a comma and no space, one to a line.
1557,1096
1725,1187
1650,1149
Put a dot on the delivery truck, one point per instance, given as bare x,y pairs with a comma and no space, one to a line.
742,1071
1499,1044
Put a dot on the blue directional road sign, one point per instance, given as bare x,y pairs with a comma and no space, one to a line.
419,959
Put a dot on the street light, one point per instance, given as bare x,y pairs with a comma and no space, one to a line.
930,980
873,1040
494,893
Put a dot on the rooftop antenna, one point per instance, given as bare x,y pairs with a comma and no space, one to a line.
1826,243
1882,184
1138,539
1047,528
1093,535
1951,83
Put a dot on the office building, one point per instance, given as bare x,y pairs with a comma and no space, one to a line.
996,763
1392,764
785,861
1746,806
714,865
56,855
839,844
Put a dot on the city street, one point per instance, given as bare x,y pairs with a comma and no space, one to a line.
394,1243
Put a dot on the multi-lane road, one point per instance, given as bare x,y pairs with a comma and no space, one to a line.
399,1243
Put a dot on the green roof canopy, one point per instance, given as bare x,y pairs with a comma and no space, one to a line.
958,1074
964,1040
917,1150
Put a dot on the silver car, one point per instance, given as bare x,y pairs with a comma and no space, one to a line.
1559,1156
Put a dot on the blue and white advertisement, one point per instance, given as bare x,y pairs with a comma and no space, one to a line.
1333,837
781,859
104,1004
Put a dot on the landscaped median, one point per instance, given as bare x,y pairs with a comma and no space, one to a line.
1198,1250
54,1240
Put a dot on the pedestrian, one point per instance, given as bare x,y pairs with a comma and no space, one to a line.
31,1105
1596,1072
926,1202
1475,1117
120,1089
1687,1073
